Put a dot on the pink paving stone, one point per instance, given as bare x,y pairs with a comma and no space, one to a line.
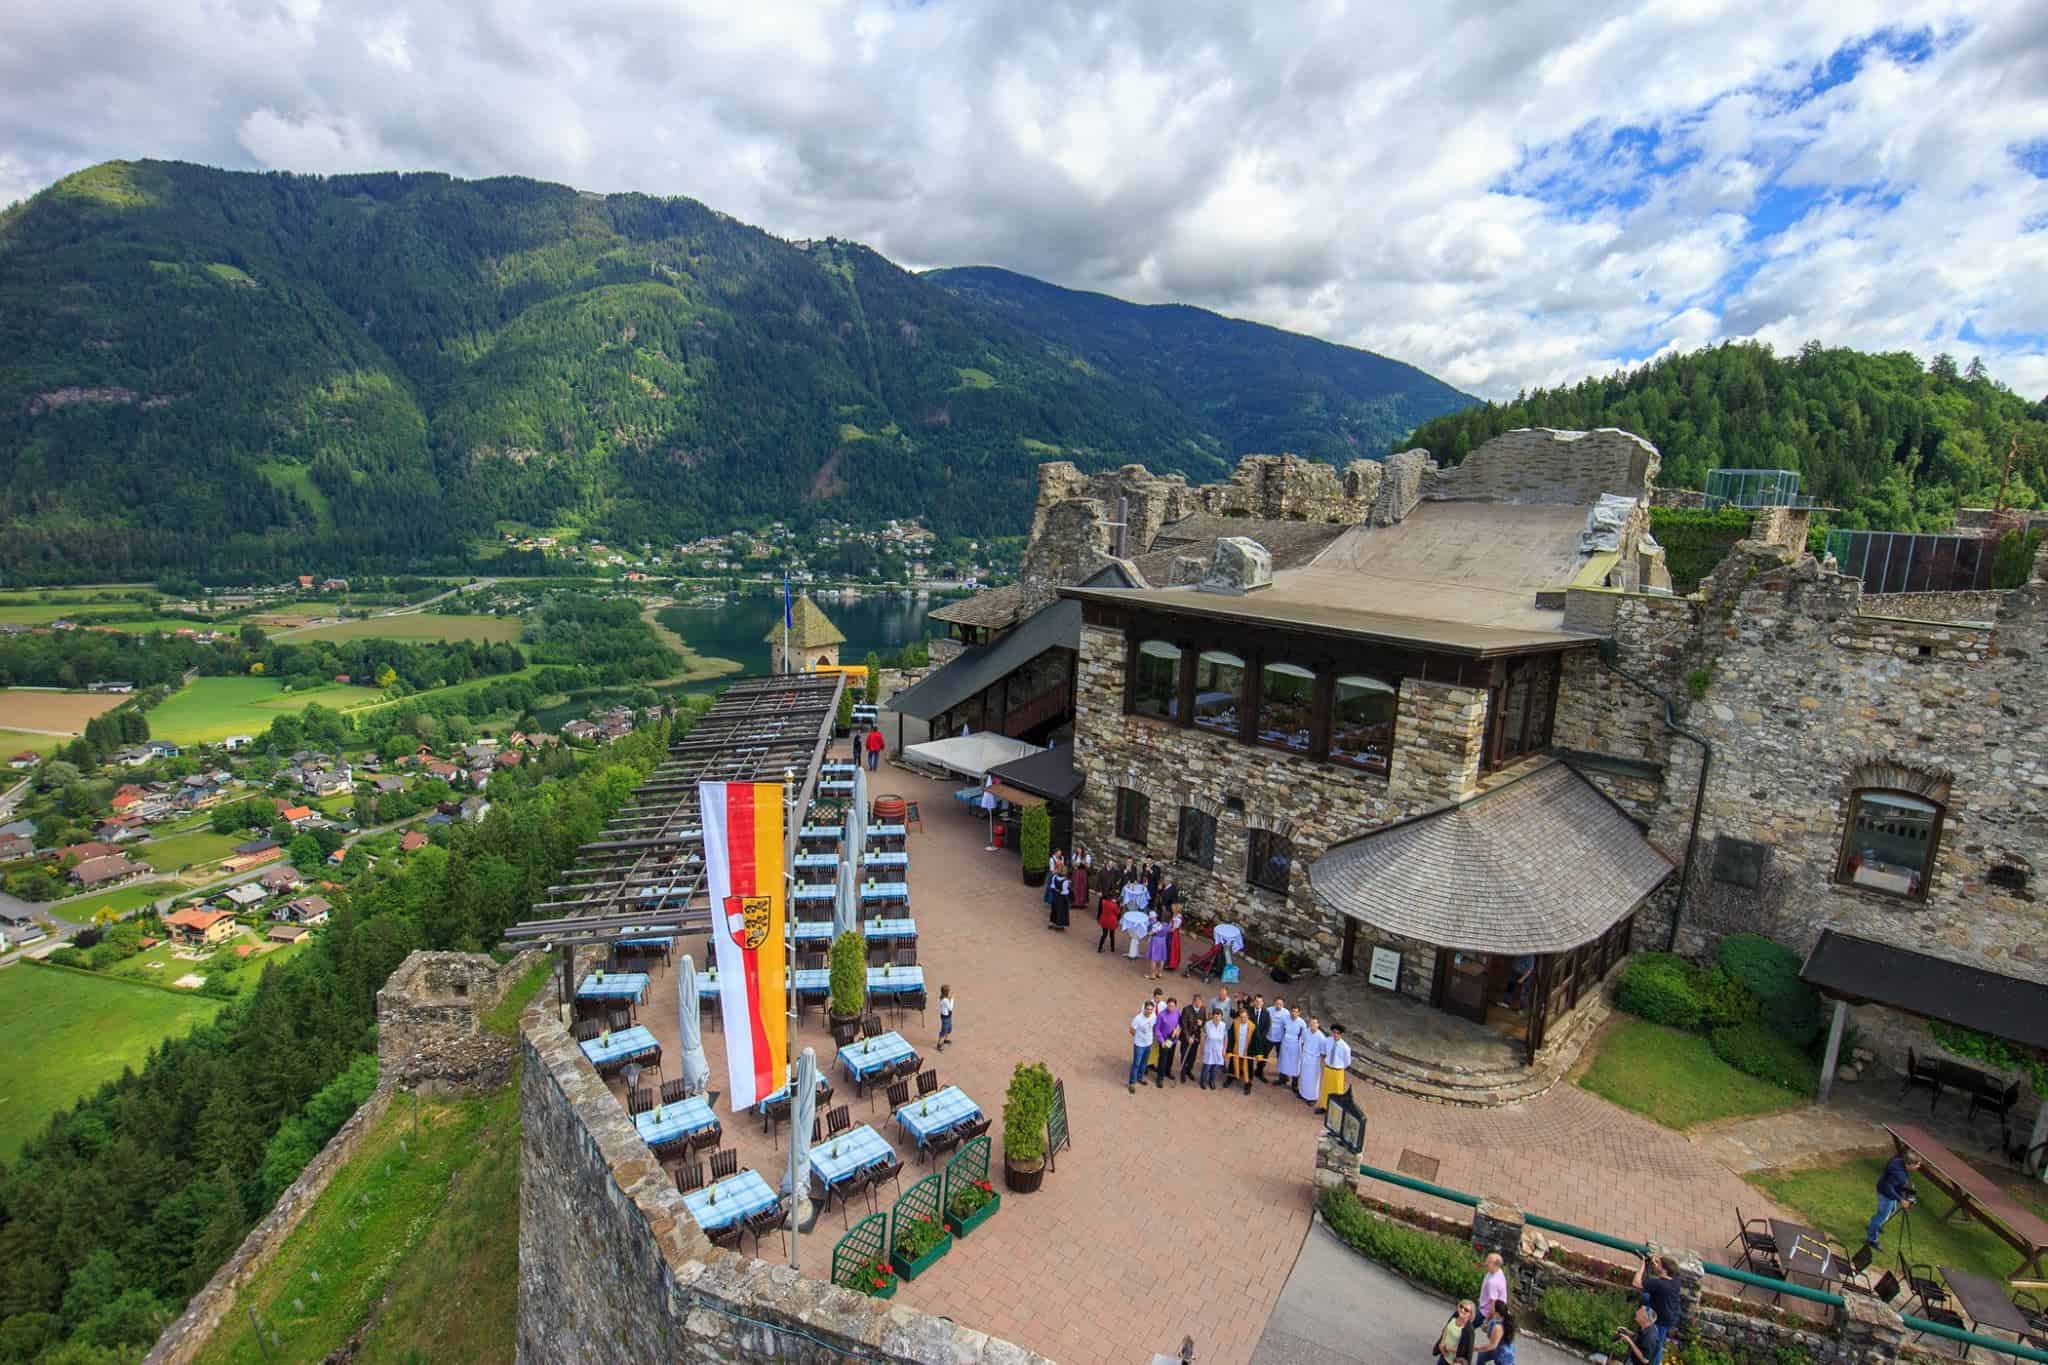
1174,1207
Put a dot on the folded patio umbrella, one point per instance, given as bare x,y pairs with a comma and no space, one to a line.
696,1070
846,913
803,1112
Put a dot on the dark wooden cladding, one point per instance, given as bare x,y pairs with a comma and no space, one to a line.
1322,653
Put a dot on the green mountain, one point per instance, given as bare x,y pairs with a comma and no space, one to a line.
1892,443
251,373
1256,388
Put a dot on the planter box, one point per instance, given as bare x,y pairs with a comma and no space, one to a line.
910,1270
888,1293
1034,878
960,1227
1023,1182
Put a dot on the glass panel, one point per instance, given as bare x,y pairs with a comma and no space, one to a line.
1513,712
1197,837
1268,861
1133,814
1362,722
1155,681
1219,689
1891,842
1287,698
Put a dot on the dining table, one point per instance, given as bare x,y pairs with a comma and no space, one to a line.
1987,1301
809,981
838,1157
864,1057
870,893
895,980
724,1202
874,930
1803,1254
613,986
614,1050
935,1113
667,1126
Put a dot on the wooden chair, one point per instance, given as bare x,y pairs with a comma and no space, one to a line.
911,1000
1759,1248
1921,1073
620,1018
586,1030
817,1129
888,1168
906,955
589,1009
899,1095
871,1026
724,1162
675,1091
837,1122
766,1221
773,1114
728,1237
970,1131
689,1176
639,1100
2030,1306
1991,1100
705,1138
927,1081
939,1144
878,955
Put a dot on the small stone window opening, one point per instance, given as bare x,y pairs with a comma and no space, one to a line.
1268,860
1133,815
1890,842
1927,651
462,986
2009,875
1197,843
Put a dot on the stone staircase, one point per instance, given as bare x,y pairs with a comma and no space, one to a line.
1483,1072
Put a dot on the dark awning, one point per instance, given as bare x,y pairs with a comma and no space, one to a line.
1862,969
1050,774
1057,626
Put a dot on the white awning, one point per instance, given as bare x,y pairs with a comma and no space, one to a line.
969,755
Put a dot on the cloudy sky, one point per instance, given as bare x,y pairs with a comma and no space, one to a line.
1505,195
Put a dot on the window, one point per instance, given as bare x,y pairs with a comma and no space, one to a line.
1889,845
1133,815
1362,722
1287,700
1155,680
1520,723
1268,861
1219,690
1197,838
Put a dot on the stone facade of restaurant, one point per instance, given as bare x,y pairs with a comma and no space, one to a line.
612,1268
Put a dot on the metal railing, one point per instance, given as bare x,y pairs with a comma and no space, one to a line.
1742,1277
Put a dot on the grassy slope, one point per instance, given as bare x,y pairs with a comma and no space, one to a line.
1839,1199
420,626
421,1233
1674,1077
120,900
13,742
168,855
209,709
69,1032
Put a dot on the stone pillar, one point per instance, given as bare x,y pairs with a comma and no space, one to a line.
1834,1053
1334,1165
1871,1332
1439,730
1692,1276
1497,1226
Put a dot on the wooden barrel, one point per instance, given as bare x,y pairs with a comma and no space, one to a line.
888,810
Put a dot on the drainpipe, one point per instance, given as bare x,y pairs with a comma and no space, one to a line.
1699,798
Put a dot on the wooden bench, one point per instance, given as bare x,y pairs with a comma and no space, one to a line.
1977,1197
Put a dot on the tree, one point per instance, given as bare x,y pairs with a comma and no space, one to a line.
305,853
56,775
874,684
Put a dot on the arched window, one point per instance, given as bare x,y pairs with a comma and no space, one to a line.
1287,699
1155,680
1362,722
1890,843
1219,690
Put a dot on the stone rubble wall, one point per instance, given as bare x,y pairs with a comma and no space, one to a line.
430,1030
1408,475
1980,606
612,1268
212,1306
1542,465
1290,488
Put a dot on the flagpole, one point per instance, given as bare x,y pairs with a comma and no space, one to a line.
785,620
790,843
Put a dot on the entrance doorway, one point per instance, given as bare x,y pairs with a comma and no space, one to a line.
1464,981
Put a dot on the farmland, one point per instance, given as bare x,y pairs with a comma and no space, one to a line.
13,742
120,901
181,850
64,713
70,1032
209,709
495,630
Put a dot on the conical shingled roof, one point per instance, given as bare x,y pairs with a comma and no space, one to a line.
812,629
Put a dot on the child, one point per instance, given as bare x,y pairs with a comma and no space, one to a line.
945,1016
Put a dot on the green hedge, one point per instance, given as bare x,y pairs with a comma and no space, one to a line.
1659,987
1585,1317
1759,1050
1770,972
1447,1266
1696,541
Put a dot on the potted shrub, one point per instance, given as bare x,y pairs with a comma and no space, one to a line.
1034,843
849,984
919,1243
1025,1109
876,1279
843,723
970,1206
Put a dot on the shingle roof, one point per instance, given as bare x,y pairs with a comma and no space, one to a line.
811,628
995,608
1541,864
1984,998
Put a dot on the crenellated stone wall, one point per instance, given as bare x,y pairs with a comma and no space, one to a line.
1538,464
430,1029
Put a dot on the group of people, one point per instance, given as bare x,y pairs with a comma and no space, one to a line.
1232,1041
1484,1333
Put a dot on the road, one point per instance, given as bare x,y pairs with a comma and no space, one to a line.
415,609
1340,1309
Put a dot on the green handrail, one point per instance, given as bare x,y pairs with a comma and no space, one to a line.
1744,1277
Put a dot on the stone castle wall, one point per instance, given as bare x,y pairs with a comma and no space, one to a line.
612,1268
1935,606
1538,464
430,1029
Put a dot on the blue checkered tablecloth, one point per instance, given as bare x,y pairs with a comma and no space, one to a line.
817,860
936,1112
880,892
822,832
624,1046
676,1121
835,768
820,930
731,1199
886,831
613,986
824,1089
869,1055
900,861
894,980
834,1159
663,942
839,785
809,981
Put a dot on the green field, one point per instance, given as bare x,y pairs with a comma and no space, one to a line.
422,625
69,1032
161,965
209,709
1675,1078
416,1242
13,742
120,900
180,850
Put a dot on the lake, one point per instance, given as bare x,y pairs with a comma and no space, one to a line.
738,630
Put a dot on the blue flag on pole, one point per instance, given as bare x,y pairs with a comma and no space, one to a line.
788,609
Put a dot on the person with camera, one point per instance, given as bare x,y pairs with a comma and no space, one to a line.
1894,1192
1660,1297
1644,1342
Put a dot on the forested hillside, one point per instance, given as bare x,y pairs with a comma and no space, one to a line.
250,373
1258,388
1893,443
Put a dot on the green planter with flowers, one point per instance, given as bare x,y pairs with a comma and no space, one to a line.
919,1245
970,1207
876,1279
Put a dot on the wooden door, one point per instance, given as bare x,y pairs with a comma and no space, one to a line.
1464,977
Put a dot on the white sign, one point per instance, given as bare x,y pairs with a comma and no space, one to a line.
1386,968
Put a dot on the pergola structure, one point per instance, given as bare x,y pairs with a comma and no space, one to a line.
643,877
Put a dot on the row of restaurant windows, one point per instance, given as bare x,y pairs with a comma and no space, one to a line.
1269,857
1277,703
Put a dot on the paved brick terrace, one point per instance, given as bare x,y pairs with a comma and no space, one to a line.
1178,1211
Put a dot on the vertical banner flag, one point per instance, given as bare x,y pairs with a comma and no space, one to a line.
743,851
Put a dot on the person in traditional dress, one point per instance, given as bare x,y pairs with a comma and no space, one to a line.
1173,943
1315,1046
1295,1030
1134,923
1214,1032
1078,874
1157,943
1262,1037
1276,1031
1054,866
1336,1069
1062,894
1240,1050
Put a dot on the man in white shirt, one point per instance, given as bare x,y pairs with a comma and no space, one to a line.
1141,1044
1336,1072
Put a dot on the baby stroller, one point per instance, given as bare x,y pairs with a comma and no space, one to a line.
1206,967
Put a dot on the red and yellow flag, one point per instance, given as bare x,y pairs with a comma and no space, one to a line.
743,872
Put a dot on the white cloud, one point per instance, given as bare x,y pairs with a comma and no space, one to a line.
1440,183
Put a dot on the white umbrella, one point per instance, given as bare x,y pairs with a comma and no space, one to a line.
803,1112
696,1070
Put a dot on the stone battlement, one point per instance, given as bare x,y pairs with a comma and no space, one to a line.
430,1030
